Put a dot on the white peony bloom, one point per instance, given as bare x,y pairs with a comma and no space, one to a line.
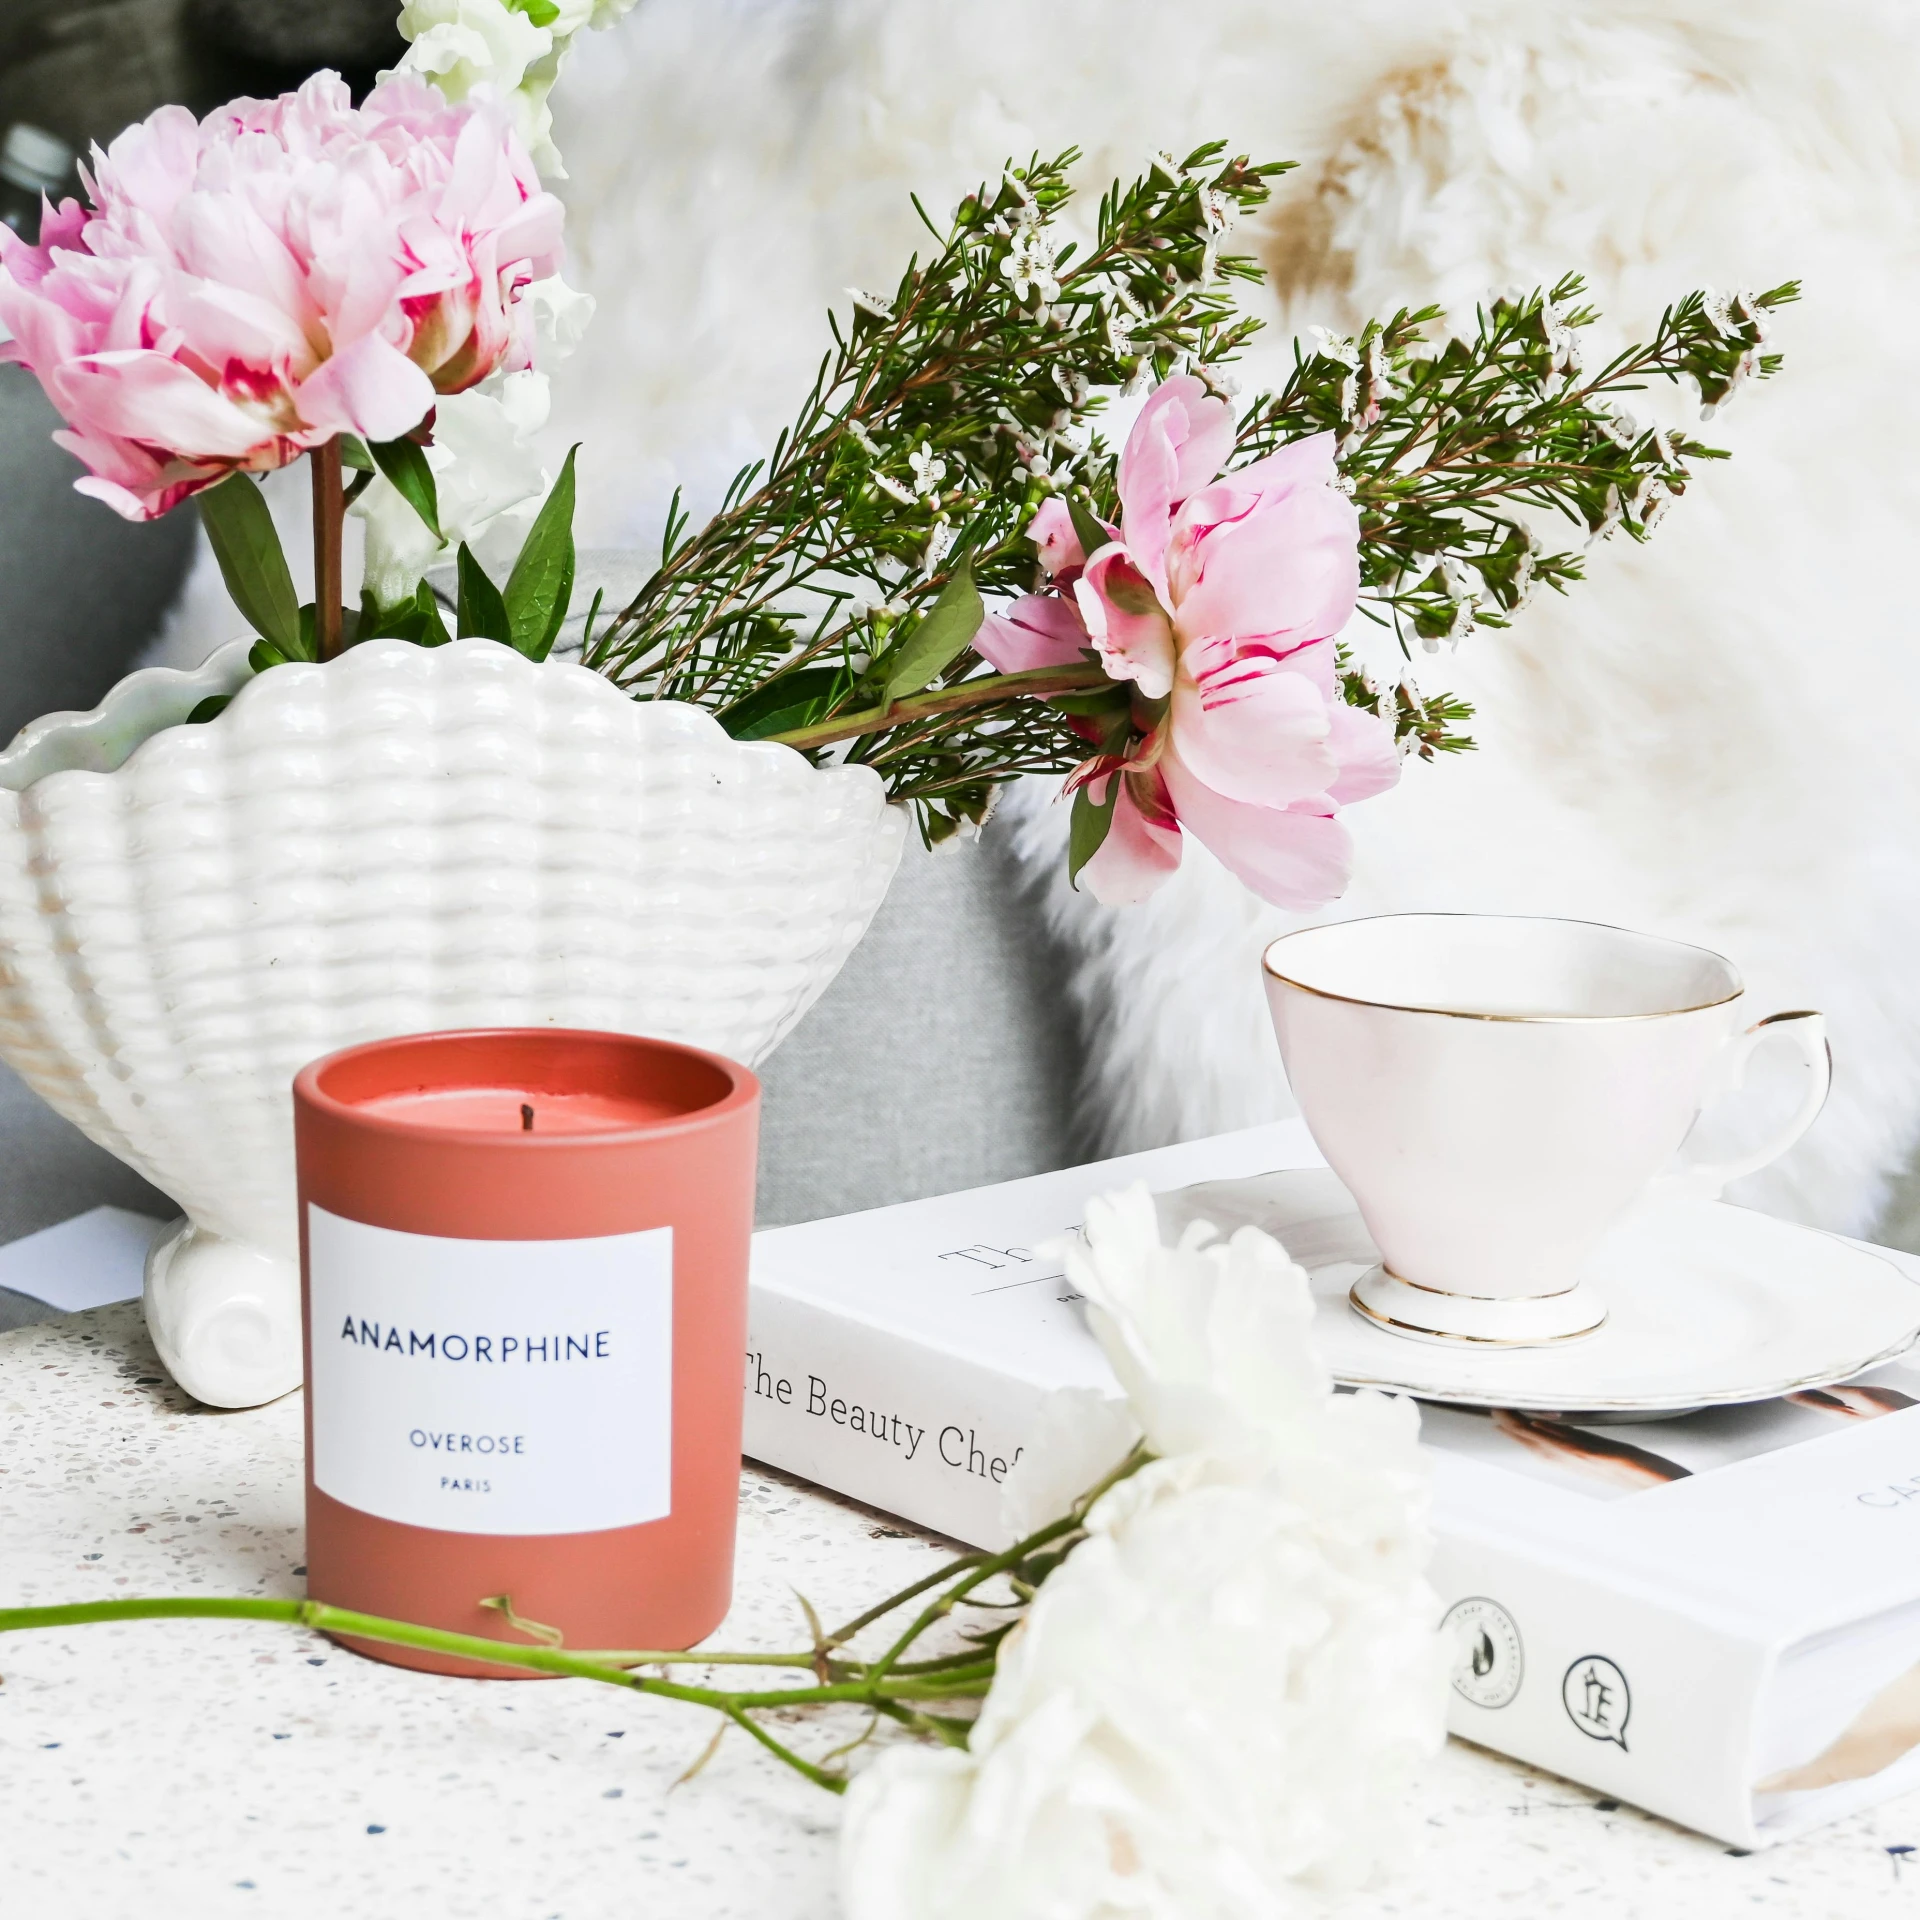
1080,1437
1222,1693
486,470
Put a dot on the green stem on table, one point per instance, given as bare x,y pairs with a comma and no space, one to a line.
889,1686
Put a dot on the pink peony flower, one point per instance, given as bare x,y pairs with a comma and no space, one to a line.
248,286
1220,600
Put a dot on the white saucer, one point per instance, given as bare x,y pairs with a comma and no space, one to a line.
1707,1305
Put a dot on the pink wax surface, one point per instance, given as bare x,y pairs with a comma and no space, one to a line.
497,1110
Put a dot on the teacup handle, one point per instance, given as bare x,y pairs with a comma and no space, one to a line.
1808,1031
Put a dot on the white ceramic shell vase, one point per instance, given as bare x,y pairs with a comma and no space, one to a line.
402,840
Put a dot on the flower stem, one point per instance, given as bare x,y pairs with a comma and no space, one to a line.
1036,683
329,519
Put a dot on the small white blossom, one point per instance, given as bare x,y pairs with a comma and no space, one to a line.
1523,577
1727,313
1335,346
928,470
867,443
1162,162
1028,267
940,539
1609,519
1563,340
1620,427
1379,379
894,490
1462,581
1218,213
1073,384
876,304
1651,502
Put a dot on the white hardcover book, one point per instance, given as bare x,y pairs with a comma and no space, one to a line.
1715,1617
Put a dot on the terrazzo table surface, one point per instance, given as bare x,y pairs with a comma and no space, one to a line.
202,1768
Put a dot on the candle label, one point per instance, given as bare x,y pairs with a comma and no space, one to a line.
492,1386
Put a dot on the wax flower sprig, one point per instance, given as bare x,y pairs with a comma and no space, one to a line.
1456,450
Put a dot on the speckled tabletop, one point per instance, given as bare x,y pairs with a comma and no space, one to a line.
204,1769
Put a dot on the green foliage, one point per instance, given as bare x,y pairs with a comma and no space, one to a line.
241,533
540,587
480,613
418,620
935,641
1459,451
1088,824
949,408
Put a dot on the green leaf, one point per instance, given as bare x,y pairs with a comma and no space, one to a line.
211,708
248,549
404,462
481,614
416,619
541,583
353,453
543,13
788,700
1087,530
1097,703
1087,828
943,634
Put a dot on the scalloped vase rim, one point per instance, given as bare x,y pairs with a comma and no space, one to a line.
151,701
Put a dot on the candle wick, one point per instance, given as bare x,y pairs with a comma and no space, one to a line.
526,1118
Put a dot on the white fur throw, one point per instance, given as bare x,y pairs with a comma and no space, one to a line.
1715,737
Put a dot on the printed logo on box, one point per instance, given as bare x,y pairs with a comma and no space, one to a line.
492,1386
1489,1662
1595,1694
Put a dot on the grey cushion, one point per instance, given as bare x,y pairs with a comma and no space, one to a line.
81,590
941,1058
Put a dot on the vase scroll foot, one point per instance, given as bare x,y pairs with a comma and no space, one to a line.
224,1317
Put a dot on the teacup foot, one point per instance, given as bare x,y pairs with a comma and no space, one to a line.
1421,1313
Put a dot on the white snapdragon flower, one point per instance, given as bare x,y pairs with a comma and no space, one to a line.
511,49
1221,1693
486,470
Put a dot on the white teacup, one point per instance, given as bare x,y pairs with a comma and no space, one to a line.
1496,1093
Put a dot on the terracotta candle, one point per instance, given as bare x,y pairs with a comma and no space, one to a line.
524,1278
